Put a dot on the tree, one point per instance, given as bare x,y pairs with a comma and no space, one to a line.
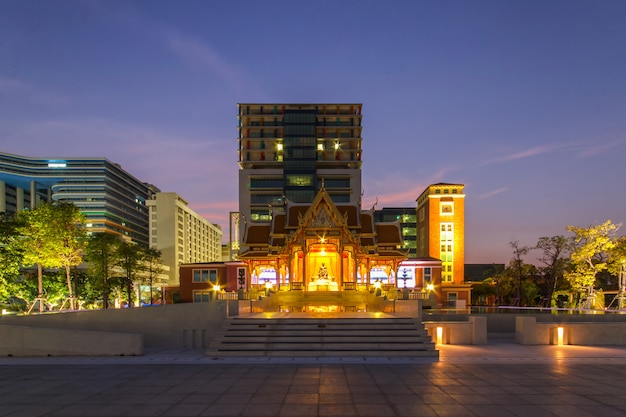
152,267
11,255
71,232
518,269
101,253
555,259
617,257
129,259
589,255
39,243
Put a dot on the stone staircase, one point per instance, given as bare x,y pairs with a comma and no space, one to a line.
330,337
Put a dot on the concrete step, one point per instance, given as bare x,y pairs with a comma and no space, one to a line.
338,333
326,353
323,337
299,339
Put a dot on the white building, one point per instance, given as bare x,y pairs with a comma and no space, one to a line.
181,234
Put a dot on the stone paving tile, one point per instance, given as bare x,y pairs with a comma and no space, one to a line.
336,410
166,389
375,410
223,410
298,410
264,410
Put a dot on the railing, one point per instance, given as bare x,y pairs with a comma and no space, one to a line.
415,295
230,296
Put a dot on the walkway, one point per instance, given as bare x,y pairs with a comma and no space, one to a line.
501,379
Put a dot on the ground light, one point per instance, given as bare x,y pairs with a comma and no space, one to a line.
439,335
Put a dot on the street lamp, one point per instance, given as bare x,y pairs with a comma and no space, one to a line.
621,286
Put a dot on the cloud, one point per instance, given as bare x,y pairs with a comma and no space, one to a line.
398,190
202,56
195,52
492,193
194,167
28,91
537,150
583,149
594,150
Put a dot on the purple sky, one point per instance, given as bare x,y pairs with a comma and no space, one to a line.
524,102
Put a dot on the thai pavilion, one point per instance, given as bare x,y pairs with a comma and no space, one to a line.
323,246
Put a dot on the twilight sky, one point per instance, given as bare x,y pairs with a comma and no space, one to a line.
523,102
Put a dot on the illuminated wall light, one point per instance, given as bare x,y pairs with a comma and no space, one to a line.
439,335
559,336
336,146
279,146
320,146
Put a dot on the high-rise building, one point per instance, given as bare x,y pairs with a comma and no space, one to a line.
286,152
182,235
407,219
112,200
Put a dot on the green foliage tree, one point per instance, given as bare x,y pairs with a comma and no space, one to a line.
617,257
152,268
40,243
10,257
70,231
554,258
518,269
589,256
129,257
102,254
505,288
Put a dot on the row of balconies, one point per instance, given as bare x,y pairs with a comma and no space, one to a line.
279,133
321,146
331,155
348,109
246,122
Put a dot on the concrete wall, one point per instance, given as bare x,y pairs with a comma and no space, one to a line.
471,332
190,325
505,323
40,341
528,331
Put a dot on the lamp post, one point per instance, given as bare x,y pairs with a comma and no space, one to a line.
621,287
242,281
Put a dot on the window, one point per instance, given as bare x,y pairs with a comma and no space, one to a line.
200,275
446,208
428,276
201,296
205,275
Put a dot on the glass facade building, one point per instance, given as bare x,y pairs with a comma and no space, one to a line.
406,216
112,200
286,152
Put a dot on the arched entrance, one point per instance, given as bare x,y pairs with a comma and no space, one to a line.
323,266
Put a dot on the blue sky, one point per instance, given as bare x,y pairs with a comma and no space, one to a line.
523,102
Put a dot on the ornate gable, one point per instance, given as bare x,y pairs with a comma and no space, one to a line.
322,213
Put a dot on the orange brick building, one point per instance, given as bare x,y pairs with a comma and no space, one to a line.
441,235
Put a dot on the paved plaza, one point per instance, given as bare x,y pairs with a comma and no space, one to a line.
500,379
